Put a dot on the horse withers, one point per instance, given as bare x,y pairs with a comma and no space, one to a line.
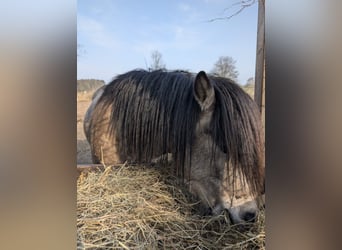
209,124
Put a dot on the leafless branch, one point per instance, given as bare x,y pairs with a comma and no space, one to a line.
243,4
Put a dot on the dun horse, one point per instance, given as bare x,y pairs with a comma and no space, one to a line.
209,124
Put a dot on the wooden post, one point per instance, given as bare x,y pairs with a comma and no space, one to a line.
259,91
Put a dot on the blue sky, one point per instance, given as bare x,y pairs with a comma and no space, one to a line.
119,35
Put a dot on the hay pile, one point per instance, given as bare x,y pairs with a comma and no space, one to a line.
132,207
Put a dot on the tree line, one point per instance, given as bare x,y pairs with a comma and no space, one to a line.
223,67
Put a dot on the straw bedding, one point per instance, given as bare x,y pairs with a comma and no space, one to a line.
136,207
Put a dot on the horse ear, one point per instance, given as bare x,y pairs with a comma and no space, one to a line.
204,91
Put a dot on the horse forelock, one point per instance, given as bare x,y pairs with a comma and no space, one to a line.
237,130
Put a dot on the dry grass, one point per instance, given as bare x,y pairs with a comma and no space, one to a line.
130,207
85,96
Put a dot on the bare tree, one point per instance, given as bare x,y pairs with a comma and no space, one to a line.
157,61
225,67
249,82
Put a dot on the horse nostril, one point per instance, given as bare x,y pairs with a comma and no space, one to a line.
249,216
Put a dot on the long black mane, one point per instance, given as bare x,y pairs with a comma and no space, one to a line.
156,112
